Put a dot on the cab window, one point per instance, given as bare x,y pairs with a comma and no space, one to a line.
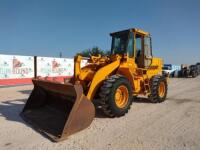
147,47
130,48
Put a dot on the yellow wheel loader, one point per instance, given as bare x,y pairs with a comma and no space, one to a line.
61,109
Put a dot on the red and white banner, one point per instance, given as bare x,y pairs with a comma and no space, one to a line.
54,67
16,69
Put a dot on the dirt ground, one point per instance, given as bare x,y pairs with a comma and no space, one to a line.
173,124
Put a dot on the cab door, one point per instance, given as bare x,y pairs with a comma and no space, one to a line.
139,50
147,52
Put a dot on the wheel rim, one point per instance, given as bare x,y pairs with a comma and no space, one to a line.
161,89
121,96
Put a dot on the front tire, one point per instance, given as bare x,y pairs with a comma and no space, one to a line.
116,96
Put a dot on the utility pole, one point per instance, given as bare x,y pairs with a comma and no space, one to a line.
60,54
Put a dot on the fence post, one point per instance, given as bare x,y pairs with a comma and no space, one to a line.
35,66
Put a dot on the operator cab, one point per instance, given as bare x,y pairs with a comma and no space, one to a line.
134,43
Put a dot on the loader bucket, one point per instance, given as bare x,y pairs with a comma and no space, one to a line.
58,110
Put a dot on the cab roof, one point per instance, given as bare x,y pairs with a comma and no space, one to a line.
136,30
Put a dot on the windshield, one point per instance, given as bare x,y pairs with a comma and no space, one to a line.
119,43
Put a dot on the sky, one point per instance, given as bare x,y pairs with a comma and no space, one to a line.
47,27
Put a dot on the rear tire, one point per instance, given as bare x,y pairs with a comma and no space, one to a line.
115,96
194,74
159,89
